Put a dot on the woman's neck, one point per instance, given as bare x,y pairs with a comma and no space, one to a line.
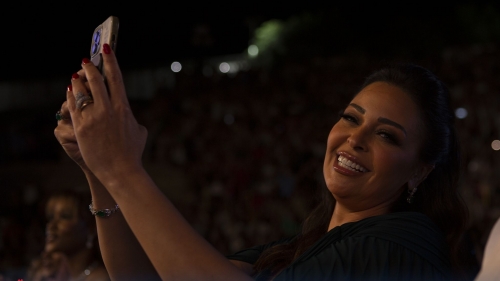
78,262
342,214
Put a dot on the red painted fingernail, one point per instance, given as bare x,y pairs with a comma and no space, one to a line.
106,48
85,61
70,88
75,76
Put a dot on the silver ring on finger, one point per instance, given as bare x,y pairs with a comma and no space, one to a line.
80,98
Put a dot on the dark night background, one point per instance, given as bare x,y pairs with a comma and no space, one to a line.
39,38
240,153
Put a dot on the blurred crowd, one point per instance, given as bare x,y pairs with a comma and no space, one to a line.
241,155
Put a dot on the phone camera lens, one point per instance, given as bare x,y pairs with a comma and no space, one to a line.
96,42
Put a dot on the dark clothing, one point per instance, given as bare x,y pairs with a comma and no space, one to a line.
396,246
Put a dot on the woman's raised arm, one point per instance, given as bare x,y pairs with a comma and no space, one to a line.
111,143
122,254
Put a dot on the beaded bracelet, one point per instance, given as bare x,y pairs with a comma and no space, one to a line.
104,213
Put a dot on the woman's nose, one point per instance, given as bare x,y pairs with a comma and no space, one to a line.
357,140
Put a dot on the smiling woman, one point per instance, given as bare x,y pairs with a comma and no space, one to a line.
391,209
379,132
391,168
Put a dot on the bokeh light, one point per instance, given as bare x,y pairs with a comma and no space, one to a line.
461,113
224,67
495,145
233,67
253,50
176,66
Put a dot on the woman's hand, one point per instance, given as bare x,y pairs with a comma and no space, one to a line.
65,135
109,138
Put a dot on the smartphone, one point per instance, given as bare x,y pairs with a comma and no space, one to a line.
106,32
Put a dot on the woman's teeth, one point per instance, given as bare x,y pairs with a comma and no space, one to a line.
348,164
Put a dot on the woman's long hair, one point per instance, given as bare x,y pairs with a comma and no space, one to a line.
437,196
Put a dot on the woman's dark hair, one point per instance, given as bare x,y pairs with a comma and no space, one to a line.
437,196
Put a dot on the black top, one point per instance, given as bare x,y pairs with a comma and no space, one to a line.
396,246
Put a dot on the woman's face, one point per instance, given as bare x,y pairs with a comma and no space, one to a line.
372,150
65,231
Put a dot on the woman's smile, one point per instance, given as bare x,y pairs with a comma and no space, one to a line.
348,165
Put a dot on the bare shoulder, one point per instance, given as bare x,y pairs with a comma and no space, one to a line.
243,266
98,274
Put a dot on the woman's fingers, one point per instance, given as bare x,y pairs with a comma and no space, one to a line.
94,81
65,135
106,133
70,102
83,76
63,115
64,131
80,98
114,77
89,82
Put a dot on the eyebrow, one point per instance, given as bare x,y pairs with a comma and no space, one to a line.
358,108
380,119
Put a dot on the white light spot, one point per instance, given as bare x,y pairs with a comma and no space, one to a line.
228,119
176,66
495,145
253,50
461,113
224,67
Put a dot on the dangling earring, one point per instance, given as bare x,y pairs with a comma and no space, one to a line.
410,198
90,241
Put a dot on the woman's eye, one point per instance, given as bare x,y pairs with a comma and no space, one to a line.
388,137
349,118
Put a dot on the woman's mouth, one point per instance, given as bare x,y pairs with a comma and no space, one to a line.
350,165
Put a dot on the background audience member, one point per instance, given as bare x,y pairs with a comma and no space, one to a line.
71,248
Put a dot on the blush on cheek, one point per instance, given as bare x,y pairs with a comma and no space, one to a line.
396,165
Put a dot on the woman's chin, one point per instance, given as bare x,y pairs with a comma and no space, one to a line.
339,191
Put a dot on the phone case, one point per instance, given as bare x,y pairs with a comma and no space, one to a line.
107,32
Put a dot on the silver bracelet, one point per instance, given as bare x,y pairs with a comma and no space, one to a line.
104,213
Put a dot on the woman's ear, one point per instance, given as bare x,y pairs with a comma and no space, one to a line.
420,175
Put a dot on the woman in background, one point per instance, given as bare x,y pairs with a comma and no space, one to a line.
71,251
